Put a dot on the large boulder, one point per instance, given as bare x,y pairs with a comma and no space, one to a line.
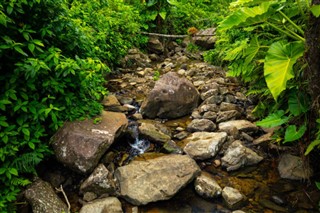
204,145
171,97
142,182
79,145
43,199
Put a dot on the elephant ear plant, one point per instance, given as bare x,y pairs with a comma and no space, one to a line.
263,43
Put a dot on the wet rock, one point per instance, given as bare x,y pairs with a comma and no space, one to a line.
206,42
204,145
212,116
263,139
171,97
233,198
137,116
154,131
241,125
246,137
209,93
270,205
135,58
225,106
105,205
238,211
42,198
237,156
155,46
181,135
201,125
142,182
100,182
196,114
111,103
89,196
208,108
227,115
292,167
216,99
206,186
80,144
171,147
182,59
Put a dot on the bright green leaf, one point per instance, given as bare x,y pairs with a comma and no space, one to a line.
292,134
163,14
31,145
315,10
26,131
19,50
13,171
4,124
312,145
31,47
278,65
318,185
276,119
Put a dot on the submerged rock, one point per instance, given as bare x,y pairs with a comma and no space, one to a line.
154,131
204,145
292,167
80,144
237,156
206,186
105,205
171,97
233,198
43,199
142,182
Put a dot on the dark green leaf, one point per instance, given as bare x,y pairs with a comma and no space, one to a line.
312,145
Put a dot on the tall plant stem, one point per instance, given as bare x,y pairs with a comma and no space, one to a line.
291,22
296,37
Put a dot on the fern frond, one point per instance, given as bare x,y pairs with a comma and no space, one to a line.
16,181
26,163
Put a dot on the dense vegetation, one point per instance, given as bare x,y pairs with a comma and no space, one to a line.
55,55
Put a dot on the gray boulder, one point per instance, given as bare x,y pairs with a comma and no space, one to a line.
105,205
227,115
237,156
241,125
80,144
155,46
207,186
201,125
142,182
41,196
292,167
99,182
171,97
204,145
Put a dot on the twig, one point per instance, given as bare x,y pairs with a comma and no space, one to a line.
65,197
175,36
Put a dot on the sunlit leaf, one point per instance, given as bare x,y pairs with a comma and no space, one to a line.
292,134
278,65
315,10
312,145
275,119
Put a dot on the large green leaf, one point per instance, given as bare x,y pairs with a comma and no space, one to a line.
292,134
252,50
315,9
276,119
278,65
243,13
297,103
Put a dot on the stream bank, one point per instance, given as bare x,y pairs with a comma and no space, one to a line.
207,157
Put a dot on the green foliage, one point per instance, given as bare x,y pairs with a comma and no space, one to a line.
262,43
55,55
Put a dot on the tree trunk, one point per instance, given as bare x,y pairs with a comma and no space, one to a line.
313,70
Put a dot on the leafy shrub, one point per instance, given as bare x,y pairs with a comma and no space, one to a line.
263,43
55,56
